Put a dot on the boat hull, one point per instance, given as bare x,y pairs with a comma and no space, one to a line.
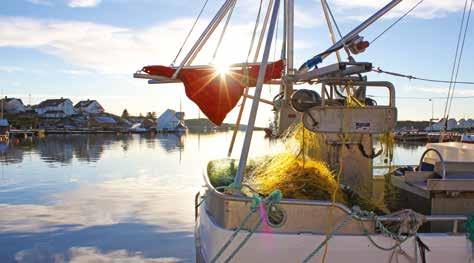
284,247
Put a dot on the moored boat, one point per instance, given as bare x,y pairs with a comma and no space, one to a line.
236,222
467,138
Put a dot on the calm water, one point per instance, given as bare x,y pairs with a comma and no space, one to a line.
102,197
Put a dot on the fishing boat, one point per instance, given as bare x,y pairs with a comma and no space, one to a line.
234,222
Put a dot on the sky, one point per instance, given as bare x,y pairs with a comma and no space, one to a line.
89,49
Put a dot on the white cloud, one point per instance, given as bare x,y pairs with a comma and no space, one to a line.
305,18
83,3
10,69
427,10
118,50
40,2
76,72
444,91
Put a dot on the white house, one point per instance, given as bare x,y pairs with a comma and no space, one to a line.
89,107
466,124
452,123
171,121
13,105
55,108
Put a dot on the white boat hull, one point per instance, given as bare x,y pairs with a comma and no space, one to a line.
282,247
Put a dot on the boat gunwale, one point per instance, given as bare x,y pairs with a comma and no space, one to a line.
387,218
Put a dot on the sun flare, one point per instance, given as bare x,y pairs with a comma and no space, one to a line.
222,68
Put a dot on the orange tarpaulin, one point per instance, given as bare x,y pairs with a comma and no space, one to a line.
217,94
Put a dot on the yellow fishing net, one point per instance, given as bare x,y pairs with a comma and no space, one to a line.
297,172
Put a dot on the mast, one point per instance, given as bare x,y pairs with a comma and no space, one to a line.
258,91
286,115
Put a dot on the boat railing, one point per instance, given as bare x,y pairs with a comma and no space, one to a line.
431,218
443,164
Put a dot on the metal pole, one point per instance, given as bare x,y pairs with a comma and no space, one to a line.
258,91
324,4
363,25
290,35
246,91
264,29
209,35
432,115
204,36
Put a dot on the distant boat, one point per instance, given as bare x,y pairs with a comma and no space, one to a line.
4,130
171,121
138,128
467,138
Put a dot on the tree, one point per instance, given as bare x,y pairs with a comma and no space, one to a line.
151,115
125,114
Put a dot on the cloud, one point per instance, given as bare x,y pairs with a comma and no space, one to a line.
83,3
307,19
118,50
429,9
75,72
40,2
444,91
10,69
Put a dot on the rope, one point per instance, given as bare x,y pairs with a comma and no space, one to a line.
337,28
396,21
326,240
254,33
272,198
379,70
470,228
460,57
190,31
224,29
361,216
232,237
455,60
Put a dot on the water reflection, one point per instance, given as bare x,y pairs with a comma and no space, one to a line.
83,148
102,197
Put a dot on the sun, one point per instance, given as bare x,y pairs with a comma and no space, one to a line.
221,68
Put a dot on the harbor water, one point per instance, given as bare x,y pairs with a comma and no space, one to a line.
84,198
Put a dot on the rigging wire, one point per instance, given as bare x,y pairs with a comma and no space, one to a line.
455,59
338,30
190,31
460,56
422,98
396,21
254,33
224,29
379,70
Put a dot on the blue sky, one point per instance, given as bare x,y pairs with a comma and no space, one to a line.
90,48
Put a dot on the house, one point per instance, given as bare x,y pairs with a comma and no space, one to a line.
171,121
451,124
55,108
88,107
13,105
466,124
